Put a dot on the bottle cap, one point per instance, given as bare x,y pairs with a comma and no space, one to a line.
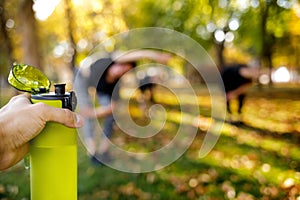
27,78
59,89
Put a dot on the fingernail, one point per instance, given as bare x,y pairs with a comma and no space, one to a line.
79,120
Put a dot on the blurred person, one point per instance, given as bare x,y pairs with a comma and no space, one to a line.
103,75
237,80
21,121
146,85
146,88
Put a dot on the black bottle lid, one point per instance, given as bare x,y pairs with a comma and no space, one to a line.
60,89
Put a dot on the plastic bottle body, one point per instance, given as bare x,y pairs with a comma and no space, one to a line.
53,153
53,161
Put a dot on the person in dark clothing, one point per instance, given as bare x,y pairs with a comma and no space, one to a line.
103,75
237,79
146,86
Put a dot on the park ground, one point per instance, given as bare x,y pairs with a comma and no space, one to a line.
256,160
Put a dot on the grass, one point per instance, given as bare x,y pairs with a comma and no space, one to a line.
258,160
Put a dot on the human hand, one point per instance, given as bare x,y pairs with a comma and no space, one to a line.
161,57
87,112
231,95
97,112
21,121
158,56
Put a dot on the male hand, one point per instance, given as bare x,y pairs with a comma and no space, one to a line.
21,121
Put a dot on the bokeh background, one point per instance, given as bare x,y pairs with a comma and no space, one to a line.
258,160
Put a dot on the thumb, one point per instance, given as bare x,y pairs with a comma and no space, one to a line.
62,116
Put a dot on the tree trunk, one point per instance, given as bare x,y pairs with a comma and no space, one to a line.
266,52
70,32
6,39
28,32
220,55
6,56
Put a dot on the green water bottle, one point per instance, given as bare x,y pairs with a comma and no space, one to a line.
53,153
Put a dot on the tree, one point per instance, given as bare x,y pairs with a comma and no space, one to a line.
71,28
265,29
28,31
262,28
6,41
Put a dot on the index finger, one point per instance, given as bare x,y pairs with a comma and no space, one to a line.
60,115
